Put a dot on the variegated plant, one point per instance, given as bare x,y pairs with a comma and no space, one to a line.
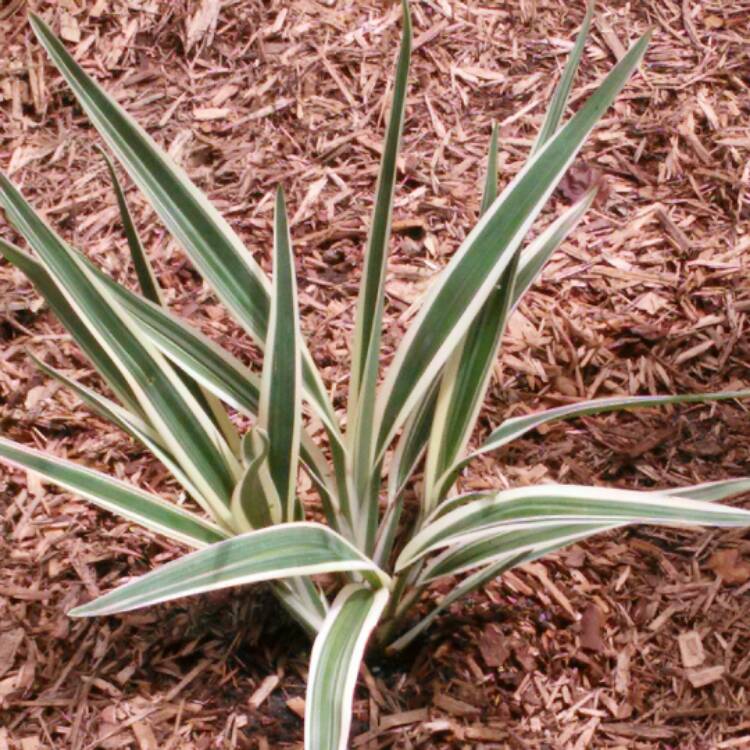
172,386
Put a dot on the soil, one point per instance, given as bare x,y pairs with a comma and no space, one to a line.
637,639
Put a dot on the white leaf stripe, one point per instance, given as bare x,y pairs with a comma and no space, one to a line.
464,556
474,270
55,298
516,427
712,491
190,436
503,561
369,315
207,237
536,254
281,403
113,495
543,503
336,657
283,551
487,550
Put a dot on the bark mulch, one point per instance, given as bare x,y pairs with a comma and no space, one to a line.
637,639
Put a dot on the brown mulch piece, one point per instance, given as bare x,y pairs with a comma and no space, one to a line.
634,640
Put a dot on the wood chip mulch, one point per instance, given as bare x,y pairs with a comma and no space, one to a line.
635,640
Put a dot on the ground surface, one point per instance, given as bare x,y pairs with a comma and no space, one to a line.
651,295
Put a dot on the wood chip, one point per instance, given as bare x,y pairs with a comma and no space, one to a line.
705,676
263,690
691,649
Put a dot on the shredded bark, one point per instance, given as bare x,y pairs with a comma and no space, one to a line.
637,639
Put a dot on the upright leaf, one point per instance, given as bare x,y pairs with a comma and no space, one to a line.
281,385
556,108
472,273
206,236
369,316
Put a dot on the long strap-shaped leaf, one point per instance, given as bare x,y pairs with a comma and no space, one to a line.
516,427
334,665
206,236
143,270
113,495
190,436
369,317
472,273
151,291
281,385
523,507
131,424
283,551
556,107
533,257
503,545
218,371
505,561
467,372
56,299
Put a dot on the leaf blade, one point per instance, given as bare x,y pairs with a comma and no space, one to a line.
115,496
476,267
334,664
283,551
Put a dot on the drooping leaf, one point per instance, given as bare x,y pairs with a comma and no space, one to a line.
113,495
544,505
334,665
283,551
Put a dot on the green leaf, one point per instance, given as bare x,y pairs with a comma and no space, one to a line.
546,505
506,546
206,236
369,315
56,299
283,551
466,376
462,288
131,424
143,270
170,408
336,658
113,495
536,254
250,507
463,588
150,290
489,193
280,411
562,93
215,369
